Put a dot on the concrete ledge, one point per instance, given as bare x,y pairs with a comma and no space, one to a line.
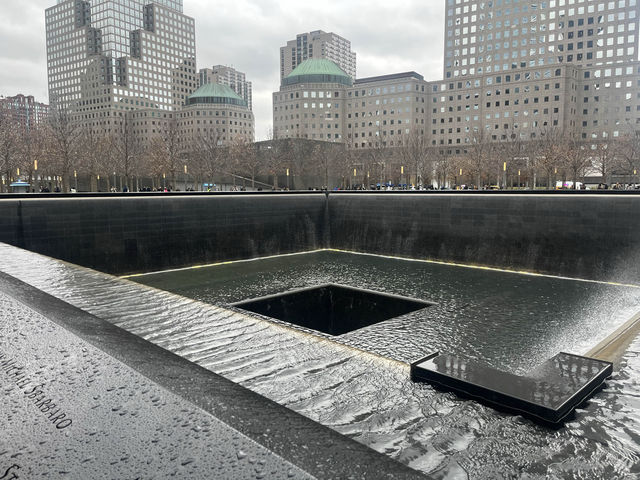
548,394
315,449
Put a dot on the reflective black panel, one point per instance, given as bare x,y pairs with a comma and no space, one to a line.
548,393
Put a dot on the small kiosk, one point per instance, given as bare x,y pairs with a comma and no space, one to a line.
20,187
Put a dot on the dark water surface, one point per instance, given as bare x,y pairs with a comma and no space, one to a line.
511,321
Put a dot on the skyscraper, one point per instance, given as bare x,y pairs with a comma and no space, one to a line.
317,44
106,56
516,70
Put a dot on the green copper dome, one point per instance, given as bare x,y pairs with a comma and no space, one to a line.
317,70
215,93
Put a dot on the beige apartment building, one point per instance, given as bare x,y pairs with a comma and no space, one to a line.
317,44
516,69
24,111
381,110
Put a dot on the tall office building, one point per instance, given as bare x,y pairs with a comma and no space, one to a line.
502,35
513,70
109,56
317,44
229,76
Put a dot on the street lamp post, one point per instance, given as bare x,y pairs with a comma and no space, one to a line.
164,183
75,176
287,179
185,178
504,175
35,170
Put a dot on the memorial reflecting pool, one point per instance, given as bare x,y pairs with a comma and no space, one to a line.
358,383
510,321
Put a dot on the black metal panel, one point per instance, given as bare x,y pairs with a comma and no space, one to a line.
548,394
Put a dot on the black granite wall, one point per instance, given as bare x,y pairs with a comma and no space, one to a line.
145,233
588,236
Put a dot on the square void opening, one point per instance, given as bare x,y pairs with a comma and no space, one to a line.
332,309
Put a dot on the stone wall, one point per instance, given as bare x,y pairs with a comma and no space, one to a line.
579,235
127,234
589,236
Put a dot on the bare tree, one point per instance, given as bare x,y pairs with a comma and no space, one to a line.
32,150
166,152
550,153
246,159
65,141
576,157
443,165
415,153
478,155
509,155
603,154
127,149
96,156
324,161
208,157
9,149
278,156
531,151
629,151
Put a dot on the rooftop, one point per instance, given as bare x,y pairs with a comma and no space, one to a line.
215,93
393,76
317,70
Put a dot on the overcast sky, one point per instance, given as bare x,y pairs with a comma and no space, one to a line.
388,37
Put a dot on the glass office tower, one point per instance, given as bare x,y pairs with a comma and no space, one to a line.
106,53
